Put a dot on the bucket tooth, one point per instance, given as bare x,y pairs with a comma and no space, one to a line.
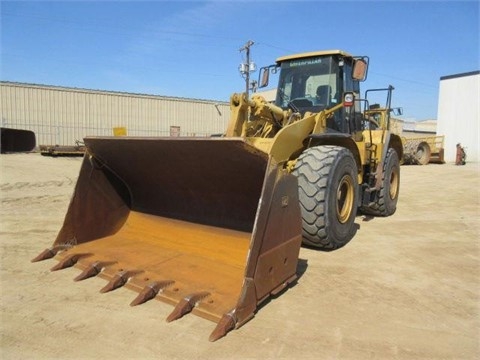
68,261
118,280
150,291
93,270
186,305
50,252
226,324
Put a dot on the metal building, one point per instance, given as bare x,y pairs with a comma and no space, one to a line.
60,116
459,114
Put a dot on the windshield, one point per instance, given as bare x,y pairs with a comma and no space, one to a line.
309,83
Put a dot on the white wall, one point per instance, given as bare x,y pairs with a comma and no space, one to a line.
458,115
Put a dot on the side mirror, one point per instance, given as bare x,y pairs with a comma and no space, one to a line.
360,68
397,111
264,77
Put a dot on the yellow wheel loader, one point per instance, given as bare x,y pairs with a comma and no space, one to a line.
214,226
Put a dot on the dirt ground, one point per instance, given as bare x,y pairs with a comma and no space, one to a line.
406,287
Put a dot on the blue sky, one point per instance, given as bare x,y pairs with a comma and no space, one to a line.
191,48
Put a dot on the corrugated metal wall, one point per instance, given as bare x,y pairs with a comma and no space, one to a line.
60,116
459,114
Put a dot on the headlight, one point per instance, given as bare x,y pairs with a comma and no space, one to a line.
348,99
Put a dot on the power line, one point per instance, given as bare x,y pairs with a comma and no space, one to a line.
108,63
405,80
127,30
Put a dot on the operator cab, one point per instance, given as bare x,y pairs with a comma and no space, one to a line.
312,82
309,84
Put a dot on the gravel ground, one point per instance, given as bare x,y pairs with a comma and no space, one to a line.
406,287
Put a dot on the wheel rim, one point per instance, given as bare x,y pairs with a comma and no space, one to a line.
345,198
393,191
420,153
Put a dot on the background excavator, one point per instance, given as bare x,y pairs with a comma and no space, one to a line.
214,226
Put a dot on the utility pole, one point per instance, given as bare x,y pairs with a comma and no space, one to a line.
247,67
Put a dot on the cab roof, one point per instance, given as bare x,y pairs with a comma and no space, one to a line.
313,53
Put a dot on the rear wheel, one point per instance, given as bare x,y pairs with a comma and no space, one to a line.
327,187
385,203
423,153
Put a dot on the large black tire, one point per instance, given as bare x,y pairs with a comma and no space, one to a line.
385,203
328,190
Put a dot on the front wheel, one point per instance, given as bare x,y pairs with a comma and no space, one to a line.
327,187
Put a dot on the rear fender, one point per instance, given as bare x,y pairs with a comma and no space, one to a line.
396,144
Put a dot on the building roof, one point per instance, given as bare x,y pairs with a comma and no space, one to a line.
471,73
107,92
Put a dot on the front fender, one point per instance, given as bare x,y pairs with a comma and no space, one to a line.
337,139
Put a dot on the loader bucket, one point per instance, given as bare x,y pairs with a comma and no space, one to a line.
211,226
